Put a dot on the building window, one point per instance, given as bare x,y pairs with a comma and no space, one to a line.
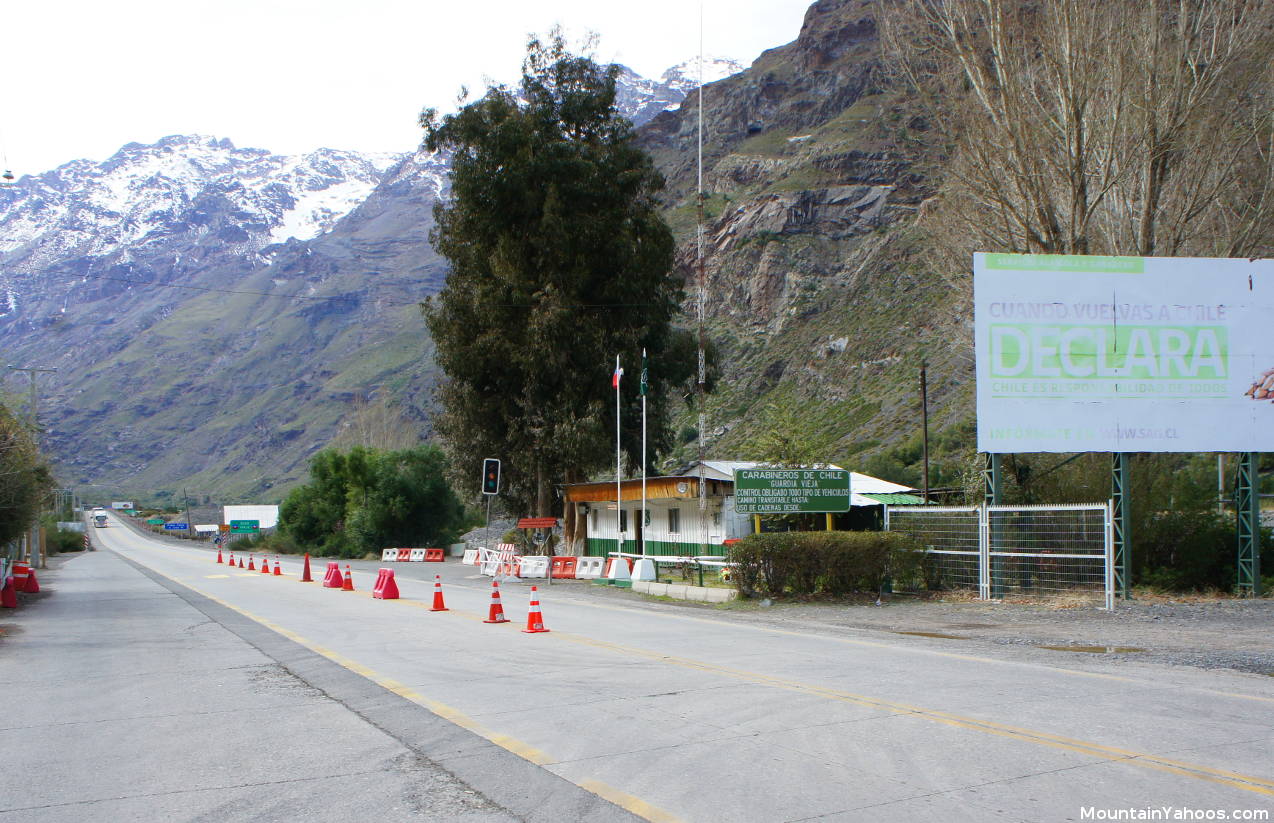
674,521
716,519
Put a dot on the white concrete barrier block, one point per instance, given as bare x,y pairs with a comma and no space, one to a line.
659,589
644,569
641,586
677,590
417,556
722,595
699,594
534,567
589,568
388,555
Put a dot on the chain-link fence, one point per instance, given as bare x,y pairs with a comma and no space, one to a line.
952,537
1014,551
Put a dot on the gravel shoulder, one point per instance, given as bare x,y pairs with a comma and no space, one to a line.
1195,631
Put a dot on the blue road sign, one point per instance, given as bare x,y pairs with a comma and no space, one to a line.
173,527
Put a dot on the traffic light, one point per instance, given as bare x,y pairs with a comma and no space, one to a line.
490,476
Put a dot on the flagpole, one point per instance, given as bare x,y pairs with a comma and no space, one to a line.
619,496
643,452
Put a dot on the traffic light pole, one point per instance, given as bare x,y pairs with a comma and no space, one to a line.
490,488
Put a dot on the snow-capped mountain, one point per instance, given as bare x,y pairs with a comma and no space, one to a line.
685,76
182,187
640,99
257,293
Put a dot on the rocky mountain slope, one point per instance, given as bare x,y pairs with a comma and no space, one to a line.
215,312
818,301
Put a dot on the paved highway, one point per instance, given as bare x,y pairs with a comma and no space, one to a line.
672,714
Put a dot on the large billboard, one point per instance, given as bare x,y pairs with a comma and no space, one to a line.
1123,354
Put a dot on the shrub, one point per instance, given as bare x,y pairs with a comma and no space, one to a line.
805,563
1186,551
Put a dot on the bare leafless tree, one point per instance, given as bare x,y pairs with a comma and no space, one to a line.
1097,127
377,423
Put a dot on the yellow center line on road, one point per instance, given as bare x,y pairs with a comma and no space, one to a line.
1258,785
635,805
1240,781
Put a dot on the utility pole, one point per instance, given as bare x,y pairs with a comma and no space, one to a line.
924,417
190,524
35,418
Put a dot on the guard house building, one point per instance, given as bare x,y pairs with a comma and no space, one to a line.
672,525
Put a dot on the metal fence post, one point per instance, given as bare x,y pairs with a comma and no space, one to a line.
1108,538
984,553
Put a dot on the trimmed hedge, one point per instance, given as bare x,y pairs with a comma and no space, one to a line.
803,563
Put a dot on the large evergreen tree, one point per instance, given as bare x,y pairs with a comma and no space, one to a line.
560,260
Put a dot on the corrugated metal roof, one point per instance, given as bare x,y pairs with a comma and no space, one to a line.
894,499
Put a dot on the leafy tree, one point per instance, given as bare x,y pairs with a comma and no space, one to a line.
559,261
786,438
408,501
25,479
364,500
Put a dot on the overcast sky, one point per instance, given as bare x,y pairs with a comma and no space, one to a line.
79,78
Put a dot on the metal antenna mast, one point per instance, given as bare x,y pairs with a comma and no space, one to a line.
700,308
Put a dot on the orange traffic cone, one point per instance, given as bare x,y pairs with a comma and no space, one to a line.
231,558
438,605
277,571
305,573
496,614
241,561
348,585
33,585
265,565
251,564
534,620
219,560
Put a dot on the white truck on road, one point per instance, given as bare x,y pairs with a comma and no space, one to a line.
99,518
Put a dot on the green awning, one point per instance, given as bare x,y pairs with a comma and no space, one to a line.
897,499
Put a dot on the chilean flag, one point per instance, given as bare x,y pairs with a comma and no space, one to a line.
614,379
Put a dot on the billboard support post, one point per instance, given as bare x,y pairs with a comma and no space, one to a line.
992,496
1120,495
1247,510
991,480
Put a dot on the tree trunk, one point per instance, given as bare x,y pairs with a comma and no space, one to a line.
543,493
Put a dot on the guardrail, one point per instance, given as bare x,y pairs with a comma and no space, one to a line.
698,561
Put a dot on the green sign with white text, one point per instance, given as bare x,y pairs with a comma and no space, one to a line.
245,526
783,491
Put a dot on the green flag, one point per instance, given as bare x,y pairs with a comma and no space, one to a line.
643,373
